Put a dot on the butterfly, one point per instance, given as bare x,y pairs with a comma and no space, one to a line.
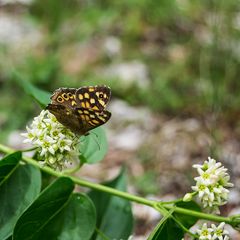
81,109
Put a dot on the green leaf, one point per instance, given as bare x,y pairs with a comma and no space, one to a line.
50,202
93,147
19,186
187,221
114,215
167,230
76,221
8,164
41,96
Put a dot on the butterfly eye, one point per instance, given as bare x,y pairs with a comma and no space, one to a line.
101,95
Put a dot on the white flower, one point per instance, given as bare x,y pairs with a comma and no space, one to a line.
211,184
219,232
213,233
56,144
201,188
205,233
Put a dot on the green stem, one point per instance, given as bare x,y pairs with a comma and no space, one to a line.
82,182
154,204
201,215
29,149
91,185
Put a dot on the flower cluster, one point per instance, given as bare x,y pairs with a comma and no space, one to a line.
213,233
56,144
211,184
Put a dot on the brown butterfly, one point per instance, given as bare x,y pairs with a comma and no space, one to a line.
81,109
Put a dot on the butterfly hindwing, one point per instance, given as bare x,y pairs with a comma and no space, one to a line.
91,119
67,117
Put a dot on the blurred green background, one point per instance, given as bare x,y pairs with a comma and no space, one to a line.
189,51
179,60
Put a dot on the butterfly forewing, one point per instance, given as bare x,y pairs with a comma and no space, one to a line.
94,97
65,96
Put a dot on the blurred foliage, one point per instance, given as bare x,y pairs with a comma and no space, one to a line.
147,183
190,48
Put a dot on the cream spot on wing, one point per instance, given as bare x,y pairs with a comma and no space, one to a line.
83,104
102,102
95,121
91,123
95,108
87,105
86,95
102,118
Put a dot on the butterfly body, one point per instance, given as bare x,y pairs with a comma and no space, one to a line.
81,109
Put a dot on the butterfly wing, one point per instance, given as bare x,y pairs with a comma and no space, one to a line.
94,97
91,119
67,117
81,109
64,96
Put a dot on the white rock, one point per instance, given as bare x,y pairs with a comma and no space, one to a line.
134,237
145,212
25,2
129,73
123,113
15,139
129,138
129,126
17,32
112,46
234,196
